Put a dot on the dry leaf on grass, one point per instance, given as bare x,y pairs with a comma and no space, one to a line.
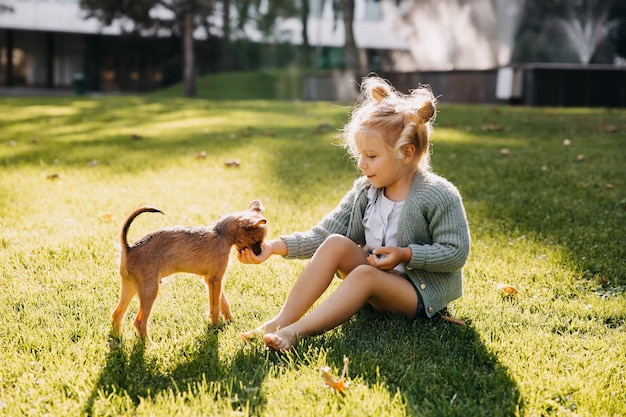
322,128
452,320
106,217
493,127
609,128
507,289
232,163
337,384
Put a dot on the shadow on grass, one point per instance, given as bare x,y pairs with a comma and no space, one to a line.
132,134
439,369
553,199
130,372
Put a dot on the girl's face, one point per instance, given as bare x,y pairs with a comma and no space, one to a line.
380,164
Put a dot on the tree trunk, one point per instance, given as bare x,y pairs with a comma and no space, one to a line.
189,73
226,53
306,47
350,49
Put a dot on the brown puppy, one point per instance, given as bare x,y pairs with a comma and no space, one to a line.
197,250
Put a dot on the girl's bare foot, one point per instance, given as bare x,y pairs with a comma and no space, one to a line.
260,331
281,341
251,334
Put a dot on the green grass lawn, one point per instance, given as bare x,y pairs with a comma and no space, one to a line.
548,217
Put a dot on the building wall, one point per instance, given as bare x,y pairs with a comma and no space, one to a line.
51,42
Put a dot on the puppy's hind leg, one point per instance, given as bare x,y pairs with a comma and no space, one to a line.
146,300
127,292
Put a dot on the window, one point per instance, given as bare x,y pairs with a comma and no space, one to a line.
373,11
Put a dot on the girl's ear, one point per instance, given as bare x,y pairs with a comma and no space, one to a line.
408,152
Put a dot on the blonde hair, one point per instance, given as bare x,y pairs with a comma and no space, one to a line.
403,119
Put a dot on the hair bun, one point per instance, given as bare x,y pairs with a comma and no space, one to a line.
427,111
380,92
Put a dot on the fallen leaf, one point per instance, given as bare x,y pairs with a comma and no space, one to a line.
322,127
53,176
232,163
337,384
507,289
106,217
609,128
453,320
610,186
493,128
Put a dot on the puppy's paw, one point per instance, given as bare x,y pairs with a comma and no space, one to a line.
214,318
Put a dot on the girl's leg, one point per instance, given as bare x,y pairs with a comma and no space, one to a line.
337,253
383,290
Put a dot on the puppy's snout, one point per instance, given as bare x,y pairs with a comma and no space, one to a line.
257,249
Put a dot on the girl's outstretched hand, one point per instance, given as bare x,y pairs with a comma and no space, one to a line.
386,258
268,249
247,256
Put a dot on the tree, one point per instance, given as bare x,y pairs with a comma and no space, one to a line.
353,62
179,17
305,10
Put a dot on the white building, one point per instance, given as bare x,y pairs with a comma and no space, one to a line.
47,43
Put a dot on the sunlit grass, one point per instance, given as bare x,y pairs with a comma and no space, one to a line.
547,217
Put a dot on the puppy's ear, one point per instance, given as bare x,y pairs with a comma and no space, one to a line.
251,222
256,206
260,222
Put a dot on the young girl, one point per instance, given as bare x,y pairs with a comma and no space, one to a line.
398,238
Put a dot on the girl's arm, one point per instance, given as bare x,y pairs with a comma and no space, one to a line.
302,245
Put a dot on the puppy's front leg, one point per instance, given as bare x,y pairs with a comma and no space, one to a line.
214,287
226,311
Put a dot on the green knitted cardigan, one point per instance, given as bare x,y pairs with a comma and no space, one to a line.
432,223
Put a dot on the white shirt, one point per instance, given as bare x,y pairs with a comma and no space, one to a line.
381,222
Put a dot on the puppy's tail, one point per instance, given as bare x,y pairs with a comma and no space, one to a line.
129,220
